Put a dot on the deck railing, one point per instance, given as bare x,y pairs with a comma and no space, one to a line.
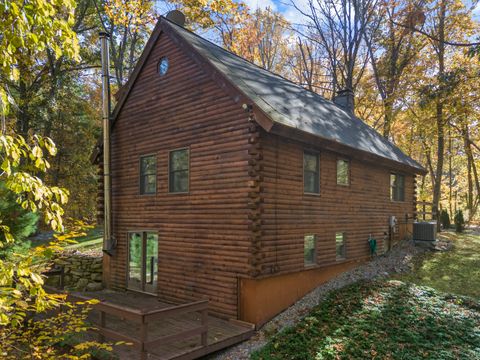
421,210
143,343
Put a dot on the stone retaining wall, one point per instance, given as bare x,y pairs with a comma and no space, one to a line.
82,272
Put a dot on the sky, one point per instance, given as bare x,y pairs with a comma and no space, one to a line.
476,12
283,6
288,10
291,14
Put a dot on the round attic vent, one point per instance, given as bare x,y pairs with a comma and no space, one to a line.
162,66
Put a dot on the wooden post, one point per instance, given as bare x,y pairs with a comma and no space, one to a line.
424,210
62,278
143,338
204,322
101,338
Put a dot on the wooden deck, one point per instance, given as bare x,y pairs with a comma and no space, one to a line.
161,331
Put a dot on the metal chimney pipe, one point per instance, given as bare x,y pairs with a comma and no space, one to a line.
107,181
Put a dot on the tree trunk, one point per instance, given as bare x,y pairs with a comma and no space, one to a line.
450,176
439,114
469,175
23,121
472,200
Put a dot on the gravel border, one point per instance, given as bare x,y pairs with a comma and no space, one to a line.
398,260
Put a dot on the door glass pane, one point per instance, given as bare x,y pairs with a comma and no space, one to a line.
135,259
151,260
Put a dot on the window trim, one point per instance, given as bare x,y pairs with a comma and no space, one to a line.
395,173
344,238
140,175
317,154
168,171
349,162
315,248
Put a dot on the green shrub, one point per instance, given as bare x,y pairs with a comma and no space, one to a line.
445,219
22,223
459,221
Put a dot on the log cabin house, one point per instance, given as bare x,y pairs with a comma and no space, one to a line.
233,184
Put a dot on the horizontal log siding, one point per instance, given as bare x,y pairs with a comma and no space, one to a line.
204,241
360,209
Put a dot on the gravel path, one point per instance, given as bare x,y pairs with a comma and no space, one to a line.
397,261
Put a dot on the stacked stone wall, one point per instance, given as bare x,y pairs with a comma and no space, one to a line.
82,272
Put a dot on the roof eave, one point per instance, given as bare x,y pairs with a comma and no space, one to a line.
334,146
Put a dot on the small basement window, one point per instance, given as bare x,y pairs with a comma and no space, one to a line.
340,245
311,180
310,250
148,174
178,166
397,187
343,172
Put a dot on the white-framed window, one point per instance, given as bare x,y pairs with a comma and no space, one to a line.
148,174
340,245
178,170
310,249
311,173
343,172
397,187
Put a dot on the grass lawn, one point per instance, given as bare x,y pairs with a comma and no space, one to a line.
383,320
456,271
91,241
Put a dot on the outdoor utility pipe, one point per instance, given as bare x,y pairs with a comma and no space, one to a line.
107,181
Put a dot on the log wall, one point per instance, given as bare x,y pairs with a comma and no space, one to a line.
204,236
360,209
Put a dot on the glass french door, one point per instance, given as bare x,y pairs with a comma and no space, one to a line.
143,261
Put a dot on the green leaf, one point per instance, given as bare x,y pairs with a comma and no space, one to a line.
36,278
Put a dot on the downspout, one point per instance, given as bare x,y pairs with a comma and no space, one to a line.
108,243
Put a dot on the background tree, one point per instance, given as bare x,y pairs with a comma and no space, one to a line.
340,28
445,21
129,24
391,50
261,37
30,28
307,67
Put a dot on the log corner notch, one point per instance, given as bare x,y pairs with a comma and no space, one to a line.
255,196
415,200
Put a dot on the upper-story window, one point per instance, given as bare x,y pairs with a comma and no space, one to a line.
343,172
178,168
397,187
311,172
148,174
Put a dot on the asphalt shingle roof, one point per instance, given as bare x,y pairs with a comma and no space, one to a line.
291,105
